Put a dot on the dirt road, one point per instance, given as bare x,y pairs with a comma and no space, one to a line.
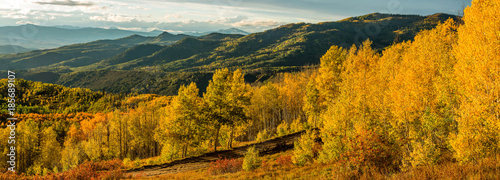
267,147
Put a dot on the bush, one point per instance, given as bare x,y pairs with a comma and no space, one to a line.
282,129
263,135
303,149
369,149
252,160
297,126
265,165
285,160
222,166
108,165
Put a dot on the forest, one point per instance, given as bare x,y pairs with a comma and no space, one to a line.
416,104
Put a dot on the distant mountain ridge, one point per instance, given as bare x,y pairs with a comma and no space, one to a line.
45,37
9,49
221,31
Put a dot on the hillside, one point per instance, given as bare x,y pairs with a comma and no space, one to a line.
78,55
282,49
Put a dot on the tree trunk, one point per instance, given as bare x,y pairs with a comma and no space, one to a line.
216,139
184,149
230,142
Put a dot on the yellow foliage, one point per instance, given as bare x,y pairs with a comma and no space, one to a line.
478,75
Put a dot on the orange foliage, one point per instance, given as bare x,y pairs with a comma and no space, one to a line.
222,166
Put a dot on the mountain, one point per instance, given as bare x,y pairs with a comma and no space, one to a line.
290,45
220,31
168,59
167,38
232,31
9,49
72,57
45,37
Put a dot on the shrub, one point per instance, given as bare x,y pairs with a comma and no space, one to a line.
251,160
90,170
303,149
285,160
369,149
297,126
282,129
109,165
86,171
222,166
263,135
265,165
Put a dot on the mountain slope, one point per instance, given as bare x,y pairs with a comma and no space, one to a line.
297,44
283,49
78,55
44,37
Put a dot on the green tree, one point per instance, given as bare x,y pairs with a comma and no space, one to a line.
187,125
226,98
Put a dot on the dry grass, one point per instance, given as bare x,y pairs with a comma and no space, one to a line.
488,168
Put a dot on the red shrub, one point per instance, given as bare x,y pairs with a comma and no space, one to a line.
369,149
265,165
109,165
10,175
88,170
222,166
116,174
284,160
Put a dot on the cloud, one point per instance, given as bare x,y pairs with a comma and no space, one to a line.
26,22
112,18
265,23
66,3
134,22
173,16
138,7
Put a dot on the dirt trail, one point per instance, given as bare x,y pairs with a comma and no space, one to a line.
193,163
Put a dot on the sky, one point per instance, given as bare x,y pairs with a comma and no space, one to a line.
180,16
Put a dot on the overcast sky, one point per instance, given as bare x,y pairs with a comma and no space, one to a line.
206,15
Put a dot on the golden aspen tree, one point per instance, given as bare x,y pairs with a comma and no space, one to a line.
50,150
239,97
478,75
323,86
217,103
265,108
171,147
312,107
354,109
422,96
28,144
293,89
187,126
329,77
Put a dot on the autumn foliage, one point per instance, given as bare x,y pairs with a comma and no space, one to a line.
416,104
222,166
